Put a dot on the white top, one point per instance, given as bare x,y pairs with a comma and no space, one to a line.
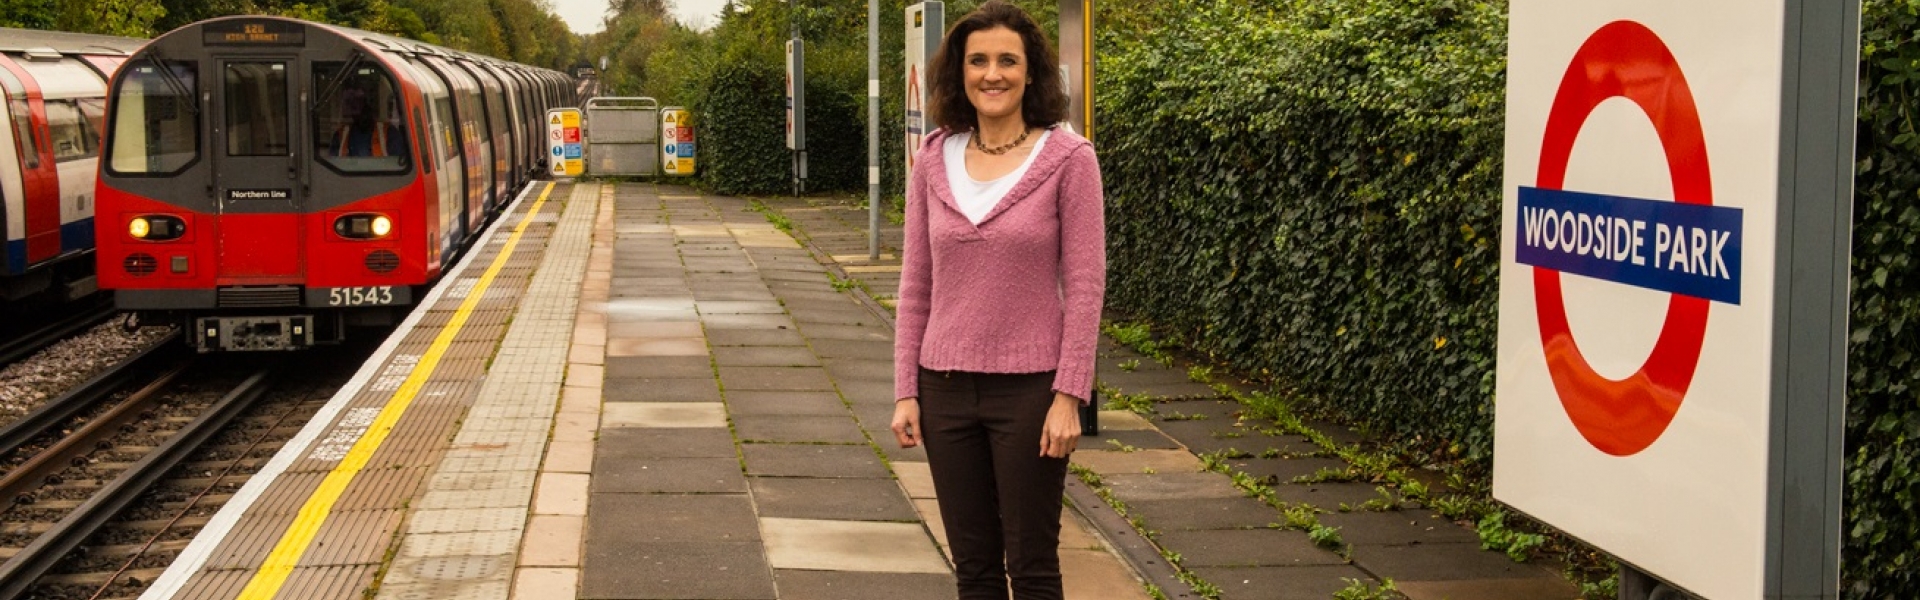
977,198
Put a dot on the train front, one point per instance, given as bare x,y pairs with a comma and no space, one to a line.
259,187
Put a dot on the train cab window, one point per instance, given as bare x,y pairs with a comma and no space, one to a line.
256,102
155,121
359,128
73,136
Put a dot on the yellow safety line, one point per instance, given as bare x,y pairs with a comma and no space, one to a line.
279,565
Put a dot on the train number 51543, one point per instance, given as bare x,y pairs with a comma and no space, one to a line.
360,296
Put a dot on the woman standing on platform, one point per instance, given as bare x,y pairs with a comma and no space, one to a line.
1001,288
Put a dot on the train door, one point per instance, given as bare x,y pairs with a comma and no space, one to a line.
256,172
39,183
73,100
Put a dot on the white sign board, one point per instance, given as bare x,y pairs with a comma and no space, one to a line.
1636,295
926,24
790,137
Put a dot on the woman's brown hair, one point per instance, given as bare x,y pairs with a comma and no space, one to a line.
1045,101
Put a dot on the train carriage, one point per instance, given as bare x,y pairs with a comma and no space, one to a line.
52,110
270,183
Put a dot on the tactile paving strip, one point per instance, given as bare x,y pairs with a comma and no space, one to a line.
362,530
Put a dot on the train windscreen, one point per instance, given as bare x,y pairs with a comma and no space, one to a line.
156,123
256,104
359,126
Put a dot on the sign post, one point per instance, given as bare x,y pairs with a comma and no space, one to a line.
564,152
797,109
926,25
1678,185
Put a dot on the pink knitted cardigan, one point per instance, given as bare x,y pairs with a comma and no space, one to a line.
1020,292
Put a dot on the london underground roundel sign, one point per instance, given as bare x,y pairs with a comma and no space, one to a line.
1608,238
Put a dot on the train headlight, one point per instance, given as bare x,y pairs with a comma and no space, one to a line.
156,228
363,226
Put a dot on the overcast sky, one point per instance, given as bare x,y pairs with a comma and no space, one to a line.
584,16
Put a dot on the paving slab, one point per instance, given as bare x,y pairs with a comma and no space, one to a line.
812,460
1246,548
1327,496
765,356
853,585
851,546
632,443
1137,487
755,337
677,570
689,328
1398,527
1442,562
1114,439
849,333
622,519
857,368
659,367
687,346
843,499
819,404
663,414
775,378
797,429
1317,582
1113,462
670,475
1534,588
1285,470
658,389
864,347
1204,513
868,391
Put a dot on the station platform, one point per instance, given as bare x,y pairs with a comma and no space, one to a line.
629,391
638,391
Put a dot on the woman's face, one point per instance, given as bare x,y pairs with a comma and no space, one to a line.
996,72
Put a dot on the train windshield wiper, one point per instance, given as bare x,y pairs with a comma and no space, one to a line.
339,79
173,82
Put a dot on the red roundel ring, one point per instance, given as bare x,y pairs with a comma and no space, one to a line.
1623,417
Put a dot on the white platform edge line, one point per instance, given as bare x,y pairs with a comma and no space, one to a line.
195,555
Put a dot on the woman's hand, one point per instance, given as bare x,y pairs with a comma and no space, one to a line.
906,422
1062,431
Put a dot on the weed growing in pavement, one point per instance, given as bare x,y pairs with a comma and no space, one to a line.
842,285
1326,537
1494,535
1139,404
1130,365
1153,591
1200,374
1180,416
1122,446
1360,590
779,221
1382,503
1329,474
1270,453
1605,588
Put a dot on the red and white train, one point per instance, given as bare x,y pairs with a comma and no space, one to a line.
269,183
53,89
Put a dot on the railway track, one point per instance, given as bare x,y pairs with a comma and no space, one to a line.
127,487
89,313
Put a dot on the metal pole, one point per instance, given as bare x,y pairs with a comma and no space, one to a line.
873,130
799,104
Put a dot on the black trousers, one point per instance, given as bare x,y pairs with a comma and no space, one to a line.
999,498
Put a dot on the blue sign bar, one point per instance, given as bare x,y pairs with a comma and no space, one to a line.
1687,249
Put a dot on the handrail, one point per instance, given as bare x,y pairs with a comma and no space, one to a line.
622,103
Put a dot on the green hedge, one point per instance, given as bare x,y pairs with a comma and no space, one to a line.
1882,555
1310,190
1310,197
741,123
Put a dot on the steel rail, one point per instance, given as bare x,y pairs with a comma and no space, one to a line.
18,574
91,392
